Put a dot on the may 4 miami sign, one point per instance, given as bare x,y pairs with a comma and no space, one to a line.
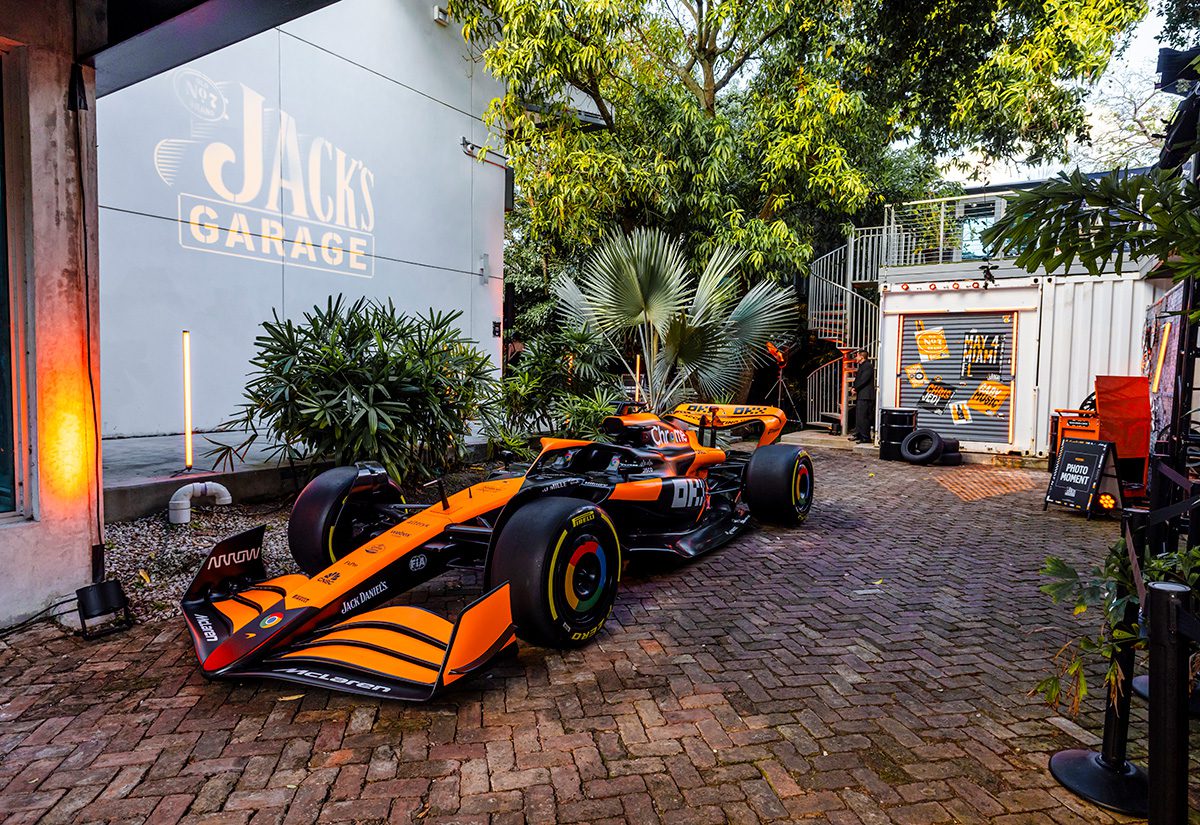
252,185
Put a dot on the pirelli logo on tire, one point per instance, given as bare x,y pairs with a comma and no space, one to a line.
583,518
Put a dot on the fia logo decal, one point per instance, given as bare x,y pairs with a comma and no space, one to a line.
418,562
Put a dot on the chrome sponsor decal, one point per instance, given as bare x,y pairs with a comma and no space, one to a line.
363,597
271,621
336,680
236,557
206,628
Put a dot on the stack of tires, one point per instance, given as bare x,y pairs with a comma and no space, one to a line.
895,424
924,446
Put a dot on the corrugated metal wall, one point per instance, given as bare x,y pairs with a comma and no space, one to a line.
958,370
1087,327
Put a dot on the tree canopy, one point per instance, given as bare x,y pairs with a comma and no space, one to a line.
753,123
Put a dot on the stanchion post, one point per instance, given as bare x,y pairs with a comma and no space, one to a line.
1168,704
1108,778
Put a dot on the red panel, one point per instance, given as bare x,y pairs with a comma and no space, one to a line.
1123,402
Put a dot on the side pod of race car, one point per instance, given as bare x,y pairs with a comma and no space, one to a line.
551,540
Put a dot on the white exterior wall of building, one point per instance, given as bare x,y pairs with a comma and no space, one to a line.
363,108
1069,330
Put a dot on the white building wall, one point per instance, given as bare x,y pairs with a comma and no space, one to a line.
1069,330
363,108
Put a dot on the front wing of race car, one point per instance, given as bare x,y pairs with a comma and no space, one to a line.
322,631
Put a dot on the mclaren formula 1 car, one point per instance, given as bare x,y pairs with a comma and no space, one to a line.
551,540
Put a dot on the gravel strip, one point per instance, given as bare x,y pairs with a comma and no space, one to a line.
156,560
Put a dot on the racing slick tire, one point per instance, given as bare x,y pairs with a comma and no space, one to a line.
562,559
779,484
329,521
922,446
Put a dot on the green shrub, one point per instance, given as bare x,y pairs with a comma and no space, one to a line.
557,387
361,382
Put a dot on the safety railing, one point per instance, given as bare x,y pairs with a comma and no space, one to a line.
866,247
823,393
941,230
840,314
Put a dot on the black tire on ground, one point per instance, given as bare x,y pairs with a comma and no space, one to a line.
922,446
950,459
562,559
949,445
779,484
330,519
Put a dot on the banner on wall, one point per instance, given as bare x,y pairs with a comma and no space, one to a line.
1160,343
957,370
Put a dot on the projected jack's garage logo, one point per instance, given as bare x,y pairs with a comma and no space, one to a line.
253,185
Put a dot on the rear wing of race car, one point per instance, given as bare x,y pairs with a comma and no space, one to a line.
727,416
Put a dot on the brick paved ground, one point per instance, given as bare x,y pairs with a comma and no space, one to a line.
871,667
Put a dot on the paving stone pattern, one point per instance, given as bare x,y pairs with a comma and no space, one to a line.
871,667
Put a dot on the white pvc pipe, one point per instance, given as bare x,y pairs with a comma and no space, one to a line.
179,510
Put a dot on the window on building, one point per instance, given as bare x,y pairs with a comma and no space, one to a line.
8,476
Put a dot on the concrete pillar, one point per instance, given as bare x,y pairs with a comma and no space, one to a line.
50,170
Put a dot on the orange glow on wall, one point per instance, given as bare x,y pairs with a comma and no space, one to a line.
187,399
65,448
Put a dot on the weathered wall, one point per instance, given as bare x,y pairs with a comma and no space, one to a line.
345,125
45,550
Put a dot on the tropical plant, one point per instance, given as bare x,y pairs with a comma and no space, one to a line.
695,335
760,124
558,386
1108,588
360,381
1103,222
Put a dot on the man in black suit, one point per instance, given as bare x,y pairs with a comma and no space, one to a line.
864,392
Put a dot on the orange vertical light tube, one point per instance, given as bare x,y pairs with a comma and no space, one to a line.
187,399
1162,352
637,380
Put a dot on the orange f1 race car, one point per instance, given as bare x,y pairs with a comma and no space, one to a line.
551,541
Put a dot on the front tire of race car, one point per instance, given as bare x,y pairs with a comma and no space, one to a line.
335,515
779,484
562,560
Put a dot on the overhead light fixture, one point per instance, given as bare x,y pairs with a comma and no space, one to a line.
441,16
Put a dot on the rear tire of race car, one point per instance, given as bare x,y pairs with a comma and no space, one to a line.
923,446
330,519
779,484
562,559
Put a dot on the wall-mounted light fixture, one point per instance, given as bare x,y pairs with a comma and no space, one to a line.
441,16
187,399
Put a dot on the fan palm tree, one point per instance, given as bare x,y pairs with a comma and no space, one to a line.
694,335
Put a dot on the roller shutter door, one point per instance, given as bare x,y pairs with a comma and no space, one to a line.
957,370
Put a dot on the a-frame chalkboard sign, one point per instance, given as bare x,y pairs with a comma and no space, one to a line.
1085,477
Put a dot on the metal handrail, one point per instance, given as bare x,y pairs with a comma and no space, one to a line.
823,390
939,230
842,315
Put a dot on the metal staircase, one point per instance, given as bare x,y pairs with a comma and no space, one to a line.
839,313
